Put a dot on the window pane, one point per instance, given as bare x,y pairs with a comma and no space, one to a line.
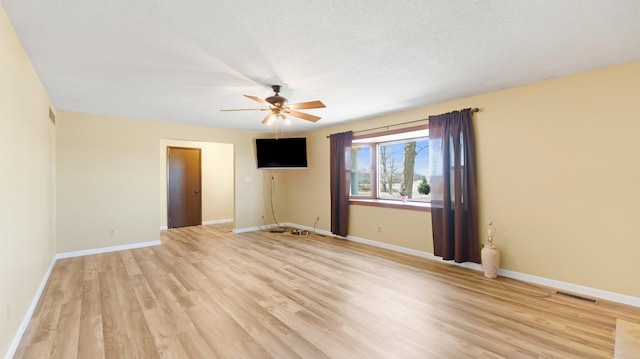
390,159
403,166
421,185
361,171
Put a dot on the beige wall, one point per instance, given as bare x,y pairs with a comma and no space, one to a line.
27,182
277,191
217,179
108,178
558,175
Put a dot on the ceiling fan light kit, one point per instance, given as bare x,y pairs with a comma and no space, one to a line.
272,117
277,105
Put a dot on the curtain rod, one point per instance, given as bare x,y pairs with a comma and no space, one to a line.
402,123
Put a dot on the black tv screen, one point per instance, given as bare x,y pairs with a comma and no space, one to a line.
281,153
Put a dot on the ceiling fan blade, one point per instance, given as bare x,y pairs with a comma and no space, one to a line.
302,115
247,109
305,105
259,100
266,119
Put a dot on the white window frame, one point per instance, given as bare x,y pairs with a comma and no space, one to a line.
374,141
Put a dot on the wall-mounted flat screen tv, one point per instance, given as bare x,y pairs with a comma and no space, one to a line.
281,153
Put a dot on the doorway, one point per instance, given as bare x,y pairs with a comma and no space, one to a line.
184,187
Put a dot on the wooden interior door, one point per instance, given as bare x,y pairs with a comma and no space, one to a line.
184,197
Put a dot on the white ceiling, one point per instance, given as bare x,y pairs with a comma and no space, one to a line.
185,60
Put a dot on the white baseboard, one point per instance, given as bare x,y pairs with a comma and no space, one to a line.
217,221
123,247
204,223
247,229
574,288
257,228
570,287
27,318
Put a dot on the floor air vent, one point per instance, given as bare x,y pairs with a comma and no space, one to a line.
575,296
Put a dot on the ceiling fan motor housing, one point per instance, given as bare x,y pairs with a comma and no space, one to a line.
276,99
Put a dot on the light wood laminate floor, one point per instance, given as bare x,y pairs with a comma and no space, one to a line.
205,293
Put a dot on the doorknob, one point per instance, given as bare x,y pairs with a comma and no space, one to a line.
197,191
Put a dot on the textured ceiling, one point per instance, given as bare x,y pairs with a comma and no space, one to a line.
185,60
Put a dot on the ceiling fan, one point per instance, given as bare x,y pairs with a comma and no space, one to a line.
278,108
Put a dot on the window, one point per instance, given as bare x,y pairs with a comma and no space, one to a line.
385,166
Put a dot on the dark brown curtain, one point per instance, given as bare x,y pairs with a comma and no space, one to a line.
339,143
454,214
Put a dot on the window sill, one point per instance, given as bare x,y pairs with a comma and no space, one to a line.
409,205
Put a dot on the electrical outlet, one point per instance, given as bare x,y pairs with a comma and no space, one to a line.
317,218
112,233
379,229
